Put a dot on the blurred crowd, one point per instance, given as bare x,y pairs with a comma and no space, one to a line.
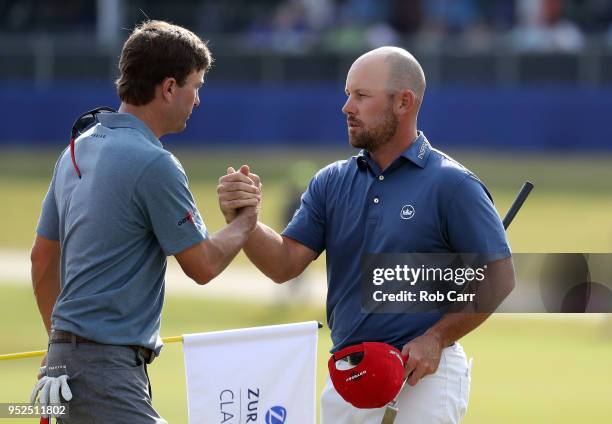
525,25
334,25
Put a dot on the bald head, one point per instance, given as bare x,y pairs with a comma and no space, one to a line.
402,69
384,90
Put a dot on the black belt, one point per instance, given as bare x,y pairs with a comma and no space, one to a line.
59,336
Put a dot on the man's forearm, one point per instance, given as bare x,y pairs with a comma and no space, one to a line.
499,282
267,250
224,245
46,285
454,326
279,258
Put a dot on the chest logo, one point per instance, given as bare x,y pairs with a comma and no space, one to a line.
407,212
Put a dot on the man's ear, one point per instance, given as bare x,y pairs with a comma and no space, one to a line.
168,86
405,102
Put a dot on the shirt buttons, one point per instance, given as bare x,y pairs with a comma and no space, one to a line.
381,177
376,200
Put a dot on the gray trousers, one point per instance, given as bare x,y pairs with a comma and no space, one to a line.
109,384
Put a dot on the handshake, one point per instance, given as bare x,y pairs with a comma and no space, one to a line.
239,195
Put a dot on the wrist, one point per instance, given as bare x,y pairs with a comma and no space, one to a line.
244,223
439,338
229,217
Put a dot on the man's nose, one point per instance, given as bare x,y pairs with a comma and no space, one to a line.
348,108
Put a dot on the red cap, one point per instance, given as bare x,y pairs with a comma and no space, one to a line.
375,380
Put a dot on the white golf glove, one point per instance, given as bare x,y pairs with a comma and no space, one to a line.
48,390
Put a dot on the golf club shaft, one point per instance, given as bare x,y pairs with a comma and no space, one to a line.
518,202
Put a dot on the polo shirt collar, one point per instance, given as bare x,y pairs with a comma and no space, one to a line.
419,150
418,153
127,120
363,159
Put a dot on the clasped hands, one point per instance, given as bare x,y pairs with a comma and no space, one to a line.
239,195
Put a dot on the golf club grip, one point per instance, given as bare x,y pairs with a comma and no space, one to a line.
518,202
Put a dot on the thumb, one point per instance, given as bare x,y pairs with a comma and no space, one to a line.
245,169
256,179
406,351
230,170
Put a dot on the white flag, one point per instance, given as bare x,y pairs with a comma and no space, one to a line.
252,375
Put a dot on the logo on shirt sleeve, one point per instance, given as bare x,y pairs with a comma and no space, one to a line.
190,217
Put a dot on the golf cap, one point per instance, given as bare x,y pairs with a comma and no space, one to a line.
374,380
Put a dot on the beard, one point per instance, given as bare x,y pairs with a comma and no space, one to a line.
379,134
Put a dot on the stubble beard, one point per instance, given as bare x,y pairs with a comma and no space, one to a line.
379,135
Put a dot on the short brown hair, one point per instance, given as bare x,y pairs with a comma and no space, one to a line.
156,50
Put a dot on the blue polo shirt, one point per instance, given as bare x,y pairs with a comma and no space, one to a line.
423,202
116,225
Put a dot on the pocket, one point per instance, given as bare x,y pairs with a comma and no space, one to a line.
60,362
127,382
465,383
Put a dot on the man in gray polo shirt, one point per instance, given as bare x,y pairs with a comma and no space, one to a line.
117,206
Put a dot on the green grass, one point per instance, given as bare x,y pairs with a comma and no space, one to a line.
540,371
525,371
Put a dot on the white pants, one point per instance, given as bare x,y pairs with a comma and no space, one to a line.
439,398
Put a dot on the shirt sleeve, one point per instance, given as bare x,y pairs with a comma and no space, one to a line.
473,224
48,223
163,195
308,223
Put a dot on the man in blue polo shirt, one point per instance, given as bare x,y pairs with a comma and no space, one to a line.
397,195
117,206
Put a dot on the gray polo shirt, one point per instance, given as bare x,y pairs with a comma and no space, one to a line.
116,226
